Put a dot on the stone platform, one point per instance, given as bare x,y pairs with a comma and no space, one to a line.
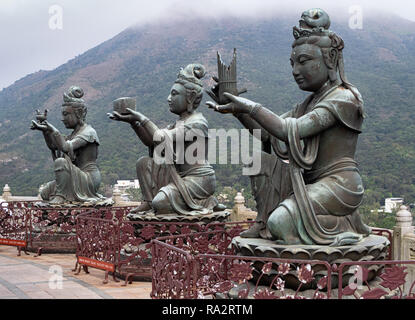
369,249
28,277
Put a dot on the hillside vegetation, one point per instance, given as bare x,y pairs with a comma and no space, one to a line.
143,62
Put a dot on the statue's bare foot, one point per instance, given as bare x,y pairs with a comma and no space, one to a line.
253,232
57,200
145,206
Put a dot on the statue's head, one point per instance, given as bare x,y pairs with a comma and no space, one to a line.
317,55
187,91
74,109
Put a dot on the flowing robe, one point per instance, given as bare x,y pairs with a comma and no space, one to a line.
321,188
77,175
188,187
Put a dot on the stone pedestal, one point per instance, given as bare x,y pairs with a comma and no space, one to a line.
151,216
370,248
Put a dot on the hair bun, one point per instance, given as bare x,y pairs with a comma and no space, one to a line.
74,96
199,71
192,73
76,92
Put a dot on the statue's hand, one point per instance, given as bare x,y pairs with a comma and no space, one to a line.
214,91
137,116
238,105
50,128
226,108
131,116
120,117
37,126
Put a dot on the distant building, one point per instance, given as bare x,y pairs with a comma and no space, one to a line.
392,203
123,185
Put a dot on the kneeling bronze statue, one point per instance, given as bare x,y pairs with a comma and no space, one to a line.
313,198
180,187
77,176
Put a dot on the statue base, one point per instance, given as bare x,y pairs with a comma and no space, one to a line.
368,249
151,216
72,204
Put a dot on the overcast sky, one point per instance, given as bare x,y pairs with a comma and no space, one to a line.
34,38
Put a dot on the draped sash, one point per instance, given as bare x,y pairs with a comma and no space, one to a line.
302,157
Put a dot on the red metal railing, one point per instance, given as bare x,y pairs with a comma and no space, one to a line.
393,279
106,238
201,264
96,243
14,224
53,229
385,233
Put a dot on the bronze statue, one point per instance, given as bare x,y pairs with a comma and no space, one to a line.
179,187
77,177
314,198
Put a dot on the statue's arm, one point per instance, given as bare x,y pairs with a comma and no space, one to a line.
142,126
150,129
308,125
314,122
142,134
251,124
68,146
49,141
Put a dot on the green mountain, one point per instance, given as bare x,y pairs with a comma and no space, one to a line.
143,62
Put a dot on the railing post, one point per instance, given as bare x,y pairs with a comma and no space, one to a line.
6,193
402,228
404,243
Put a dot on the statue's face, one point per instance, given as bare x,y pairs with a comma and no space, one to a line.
309,69
177,99
69,117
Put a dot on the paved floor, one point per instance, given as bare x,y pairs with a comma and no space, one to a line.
50,276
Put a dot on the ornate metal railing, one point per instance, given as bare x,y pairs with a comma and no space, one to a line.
203,264
53,229
212,268
14,224
96,242
391,282
385,233
106,240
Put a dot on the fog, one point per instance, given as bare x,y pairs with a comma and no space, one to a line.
43,34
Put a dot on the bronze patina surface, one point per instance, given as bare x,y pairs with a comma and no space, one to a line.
309,189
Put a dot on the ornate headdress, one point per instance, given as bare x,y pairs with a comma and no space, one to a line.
313,22
74,99
192,73
74,96
314,29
